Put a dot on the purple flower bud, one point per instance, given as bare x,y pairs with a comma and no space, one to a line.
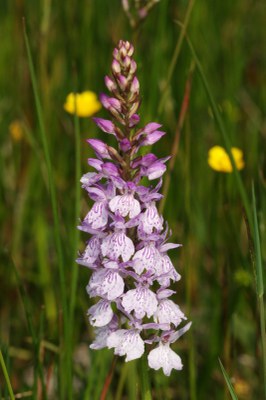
126,62
97,164
133,67
110,169
110,102
116,54
134,85
110,84
125,145
122,82
156,170
105,125
99,147
134,120
116,67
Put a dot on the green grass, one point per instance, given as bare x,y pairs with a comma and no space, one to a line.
44,334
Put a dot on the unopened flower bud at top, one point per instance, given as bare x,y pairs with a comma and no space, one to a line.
105,125
100,147
110,84
126,62
122,82
116,67
133,67
110,102
134,88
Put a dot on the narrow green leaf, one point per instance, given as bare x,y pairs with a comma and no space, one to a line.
5,372
259,285
259,274
221,127
228,382
66,364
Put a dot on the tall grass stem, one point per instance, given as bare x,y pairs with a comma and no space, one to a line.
259,285
66,378
222,130
175,55
6,376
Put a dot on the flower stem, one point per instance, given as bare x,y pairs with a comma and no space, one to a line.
180,123
108,380
8,383
145,383
176,54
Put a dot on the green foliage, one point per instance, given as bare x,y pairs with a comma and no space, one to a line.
44,334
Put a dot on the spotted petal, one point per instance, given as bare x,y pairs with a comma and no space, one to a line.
126,342
105,283
147,258
125,204
103,333
165,358
91,252
168,312
101,313
118,244
151,219
141,300
97,217
167,272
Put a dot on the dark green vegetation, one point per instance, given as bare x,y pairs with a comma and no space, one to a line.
44,334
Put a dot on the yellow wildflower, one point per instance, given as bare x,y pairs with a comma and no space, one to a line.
219,160
16,130
83,104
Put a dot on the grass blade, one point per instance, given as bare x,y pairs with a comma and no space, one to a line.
223,132
5,372
66,378
176,54
259,284
74,279
228,382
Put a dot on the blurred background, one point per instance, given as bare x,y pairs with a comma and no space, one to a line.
71,44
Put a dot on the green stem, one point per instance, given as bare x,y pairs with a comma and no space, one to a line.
175,55
145,383
259,285
66,377
222,130
8,383
74,279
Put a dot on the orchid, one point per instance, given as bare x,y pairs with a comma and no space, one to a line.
128,244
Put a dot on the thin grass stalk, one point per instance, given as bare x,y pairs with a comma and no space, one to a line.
259,285
222,130
145,383
66,377
6,376
176,54
180,123
108,380
121,382
228,382
38,371
74,279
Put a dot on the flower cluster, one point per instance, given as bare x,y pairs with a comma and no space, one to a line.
127,250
